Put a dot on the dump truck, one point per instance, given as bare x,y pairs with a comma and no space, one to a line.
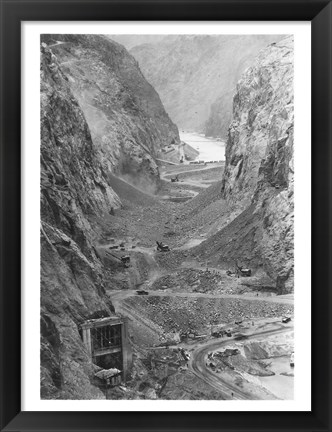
175,179
161,247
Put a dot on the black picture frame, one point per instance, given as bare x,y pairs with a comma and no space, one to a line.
13,12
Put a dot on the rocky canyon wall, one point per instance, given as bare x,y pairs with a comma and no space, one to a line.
74,192
127,120
258,181
259,168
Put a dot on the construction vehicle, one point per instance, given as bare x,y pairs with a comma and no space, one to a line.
175,179
240,336
185,354
217,333
242,271
125,259
142,292
161,247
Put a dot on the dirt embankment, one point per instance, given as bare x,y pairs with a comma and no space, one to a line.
197,315
145,219
190,300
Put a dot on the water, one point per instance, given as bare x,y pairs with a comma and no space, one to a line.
209,149
280,385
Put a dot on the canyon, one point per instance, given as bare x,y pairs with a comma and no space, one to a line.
196,75
107,193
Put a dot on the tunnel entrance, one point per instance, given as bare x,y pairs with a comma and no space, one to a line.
106,340
110,361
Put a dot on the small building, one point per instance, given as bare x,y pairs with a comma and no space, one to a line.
106,340
110,377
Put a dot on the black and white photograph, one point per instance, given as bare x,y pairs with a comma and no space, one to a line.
167,217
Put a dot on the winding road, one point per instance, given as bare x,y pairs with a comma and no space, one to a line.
197,364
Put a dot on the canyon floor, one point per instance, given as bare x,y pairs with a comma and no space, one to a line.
177,327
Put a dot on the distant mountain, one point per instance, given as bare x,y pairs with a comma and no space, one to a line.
196,75
130,41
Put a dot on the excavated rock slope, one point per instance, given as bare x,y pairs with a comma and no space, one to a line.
126,118
258,176
74,192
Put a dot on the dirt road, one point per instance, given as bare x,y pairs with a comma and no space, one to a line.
197,365
122,295
203,184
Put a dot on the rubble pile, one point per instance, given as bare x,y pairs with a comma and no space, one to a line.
190,280
236,361
194,316
170,260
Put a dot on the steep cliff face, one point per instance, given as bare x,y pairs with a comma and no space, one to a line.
258,176
192,72
74,194
126,118
220,116
259,156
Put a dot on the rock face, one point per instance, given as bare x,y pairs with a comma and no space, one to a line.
74,194
220,116
196,75
259,168
258,181
124,113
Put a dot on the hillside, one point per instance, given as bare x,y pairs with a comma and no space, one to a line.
258,175
196,75
74,191
124,113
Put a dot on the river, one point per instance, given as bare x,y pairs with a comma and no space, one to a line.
209,149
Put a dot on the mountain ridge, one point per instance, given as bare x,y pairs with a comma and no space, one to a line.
194,74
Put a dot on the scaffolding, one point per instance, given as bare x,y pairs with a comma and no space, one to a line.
106,340
105,337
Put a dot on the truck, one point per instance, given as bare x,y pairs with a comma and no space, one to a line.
242,271
142,292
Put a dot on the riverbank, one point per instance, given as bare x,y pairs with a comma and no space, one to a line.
209,149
